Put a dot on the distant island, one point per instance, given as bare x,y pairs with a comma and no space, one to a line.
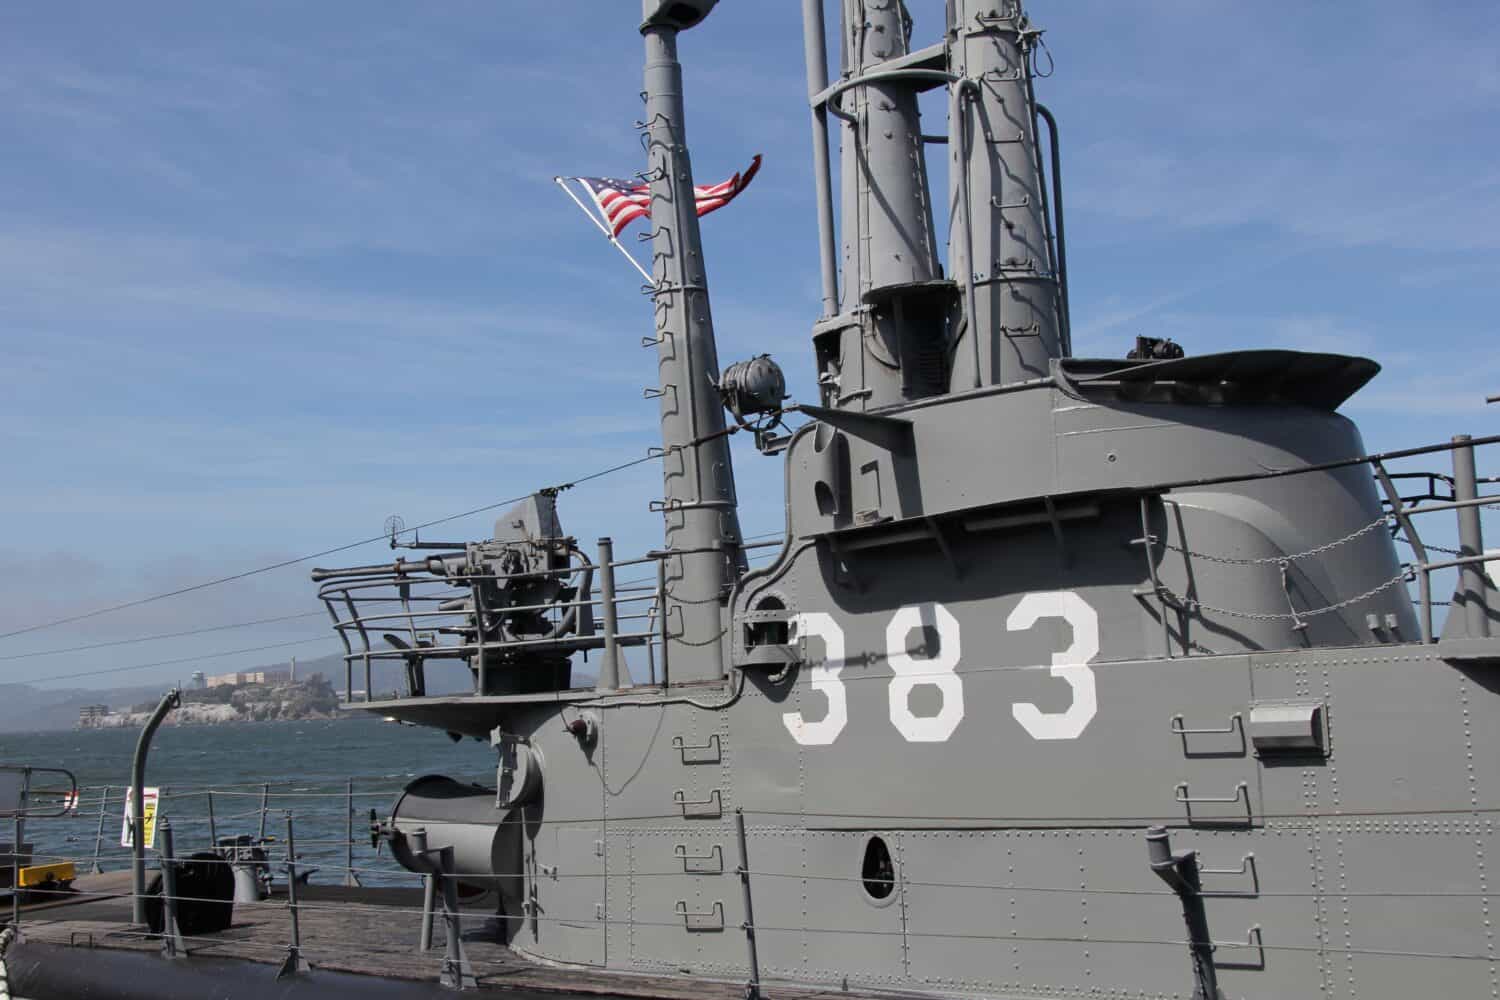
253,696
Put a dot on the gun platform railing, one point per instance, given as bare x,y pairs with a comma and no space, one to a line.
428,610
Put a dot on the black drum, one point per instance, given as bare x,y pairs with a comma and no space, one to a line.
205,891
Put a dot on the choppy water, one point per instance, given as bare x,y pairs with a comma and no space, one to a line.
307,764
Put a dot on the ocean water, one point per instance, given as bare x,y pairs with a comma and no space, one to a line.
306,764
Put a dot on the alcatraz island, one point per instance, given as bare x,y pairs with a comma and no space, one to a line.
245,696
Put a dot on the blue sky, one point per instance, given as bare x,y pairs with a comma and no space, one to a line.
270,272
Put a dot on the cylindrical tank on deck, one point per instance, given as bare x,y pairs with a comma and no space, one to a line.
462,816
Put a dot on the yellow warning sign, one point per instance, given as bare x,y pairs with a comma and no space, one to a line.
150,797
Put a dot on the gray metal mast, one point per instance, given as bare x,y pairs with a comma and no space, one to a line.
699,506
1016,296
892,329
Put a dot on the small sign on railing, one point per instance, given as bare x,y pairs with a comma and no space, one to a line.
149,799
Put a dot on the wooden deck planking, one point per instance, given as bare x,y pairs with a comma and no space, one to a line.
371,931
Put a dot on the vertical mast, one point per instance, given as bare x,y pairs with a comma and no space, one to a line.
893,292
1017,297
701,520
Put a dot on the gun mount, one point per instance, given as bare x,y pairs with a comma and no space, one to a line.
513,607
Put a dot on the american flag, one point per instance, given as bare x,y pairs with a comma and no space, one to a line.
622,202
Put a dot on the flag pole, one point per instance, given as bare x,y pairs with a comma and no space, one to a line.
561,182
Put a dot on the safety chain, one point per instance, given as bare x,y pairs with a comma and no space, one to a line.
1282,559
714,599
1435,548
706,642
1168,595
1443,548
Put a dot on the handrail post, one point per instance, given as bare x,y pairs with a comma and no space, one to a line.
172,944
1156,588
169,701
1424,575
293,962
99,833
457,973
350,878
752,988
1470,540
417,839
213,829
481,680
609,666
265,794
18,831
661,615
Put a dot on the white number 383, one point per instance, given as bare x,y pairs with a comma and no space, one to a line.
938,670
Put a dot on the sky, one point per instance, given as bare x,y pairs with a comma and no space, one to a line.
272,272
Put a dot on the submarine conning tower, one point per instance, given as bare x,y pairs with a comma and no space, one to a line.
958,433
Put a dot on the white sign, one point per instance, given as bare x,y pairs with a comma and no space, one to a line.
150,798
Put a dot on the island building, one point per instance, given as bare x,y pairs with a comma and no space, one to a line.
247,677
92,716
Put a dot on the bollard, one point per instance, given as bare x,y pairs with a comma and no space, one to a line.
172,945
293,963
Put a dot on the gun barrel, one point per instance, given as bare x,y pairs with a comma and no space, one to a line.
431,564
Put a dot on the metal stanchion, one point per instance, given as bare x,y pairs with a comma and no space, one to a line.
418,841
609,664
437,877
457,973
293,963
752,988
351,879
1471,589
18,831
172,944
265,795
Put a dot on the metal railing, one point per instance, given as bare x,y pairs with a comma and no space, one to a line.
331,927
422,615
1434,492
1463,498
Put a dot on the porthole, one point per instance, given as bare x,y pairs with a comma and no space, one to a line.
878,872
